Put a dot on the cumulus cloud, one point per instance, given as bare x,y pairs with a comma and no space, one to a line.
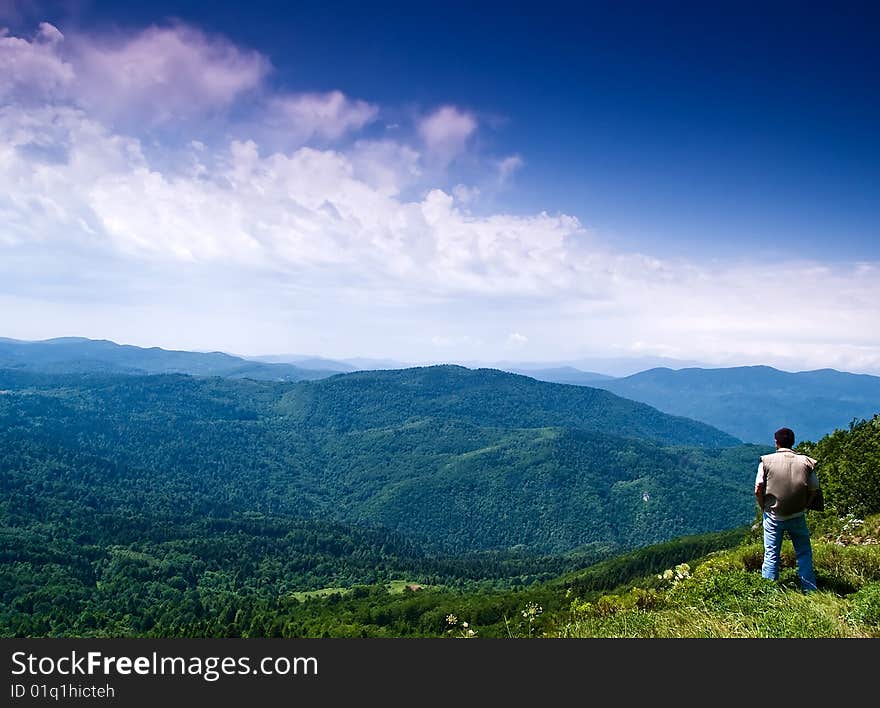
49,33
385,165
338,243
164,73
155,76
326,115
32,70
446,131
170,77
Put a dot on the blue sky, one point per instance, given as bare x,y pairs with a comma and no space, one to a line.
445,182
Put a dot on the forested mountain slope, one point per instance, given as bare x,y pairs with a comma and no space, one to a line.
470,460
372,399
109,530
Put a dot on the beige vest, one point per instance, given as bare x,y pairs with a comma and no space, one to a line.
787,475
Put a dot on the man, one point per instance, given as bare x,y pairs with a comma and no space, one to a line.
784,488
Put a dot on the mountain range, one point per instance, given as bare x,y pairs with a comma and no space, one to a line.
748,403
223,504
752,402
77,354
457,459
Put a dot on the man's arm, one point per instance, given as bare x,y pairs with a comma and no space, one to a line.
759,495
760,486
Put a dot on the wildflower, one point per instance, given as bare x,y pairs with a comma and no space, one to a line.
530,613
532,610
462,630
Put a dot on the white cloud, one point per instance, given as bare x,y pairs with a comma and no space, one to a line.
32,70
446,131
164,74
385,165
508,166
338,248
155,76
318,219
325,115
49,33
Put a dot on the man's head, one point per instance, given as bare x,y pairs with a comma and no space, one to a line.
784,437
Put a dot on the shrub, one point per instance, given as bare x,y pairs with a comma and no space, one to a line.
636,599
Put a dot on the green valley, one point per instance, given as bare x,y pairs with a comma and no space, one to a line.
385,503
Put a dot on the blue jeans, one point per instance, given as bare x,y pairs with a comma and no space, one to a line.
800,537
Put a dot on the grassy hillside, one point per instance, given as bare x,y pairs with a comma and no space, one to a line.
724,595
704,586
698,587
751,402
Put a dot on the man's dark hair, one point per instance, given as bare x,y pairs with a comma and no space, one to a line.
784,437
